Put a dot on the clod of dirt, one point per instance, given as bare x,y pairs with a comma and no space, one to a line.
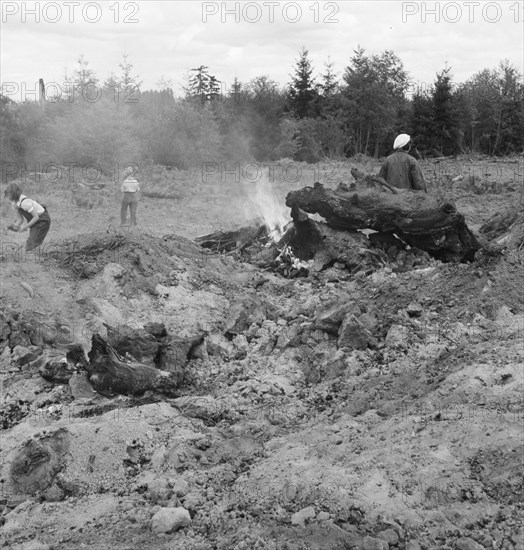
36,464
168,520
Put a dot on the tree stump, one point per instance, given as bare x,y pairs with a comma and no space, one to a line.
109,373
418,219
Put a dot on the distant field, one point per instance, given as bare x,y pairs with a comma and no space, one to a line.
219,195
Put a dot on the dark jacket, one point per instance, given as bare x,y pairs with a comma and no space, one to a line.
403,171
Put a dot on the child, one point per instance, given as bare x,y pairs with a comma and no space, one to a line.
36,216
130,188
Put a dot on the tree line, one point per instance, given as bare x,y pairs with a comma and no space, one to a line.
314,117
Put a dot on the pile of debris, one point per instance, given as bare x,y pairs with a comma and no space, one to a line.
366,225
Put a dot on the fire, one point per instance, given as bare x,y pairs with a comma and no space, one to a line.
265,204
276,233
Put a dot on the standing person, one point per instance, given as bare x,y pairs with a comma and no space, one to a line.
35,214
402,170
130,188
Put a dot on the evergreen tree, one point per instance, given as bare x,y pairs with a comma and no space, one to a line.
494,97
330,127
445,126
127,80
236,91
373,100
111,83
12,139
302,94
202,86
510,128
329,85
266,108
422,124
84,80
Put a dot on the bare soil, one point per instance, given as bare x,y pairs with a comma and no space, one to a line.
287,433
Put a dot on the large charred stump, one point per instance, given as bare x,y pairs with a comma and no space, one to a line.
109,373
419,219
311,240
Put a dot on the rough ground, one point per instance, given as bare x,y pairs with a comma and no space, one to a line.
366,410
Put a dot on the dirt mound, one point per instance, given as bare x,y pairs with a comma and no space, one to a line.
293,390
148,258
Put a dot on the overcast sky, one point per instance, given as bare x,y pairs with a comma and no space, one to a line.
249,39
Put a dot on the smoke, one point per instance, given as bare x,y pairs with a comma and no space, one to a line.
264,202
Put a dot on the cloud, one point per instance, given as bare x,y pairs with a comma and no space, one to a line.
168,38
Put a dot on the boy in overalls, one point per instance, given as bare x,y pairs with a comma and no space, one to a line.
35,214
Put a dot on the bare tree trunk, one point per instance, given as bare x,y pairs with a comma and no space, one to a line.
367,140
498,132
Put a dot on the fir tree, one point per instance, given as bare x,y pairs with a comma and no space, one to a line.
302,94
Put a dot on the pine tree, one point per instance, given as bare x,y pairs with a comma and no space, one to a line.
445,127
510,128
329,85
302,93
127,82
236,91
202,86
422,122
84,78
374,98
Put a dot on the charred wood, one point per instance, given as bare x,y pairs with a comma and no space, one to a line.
415,217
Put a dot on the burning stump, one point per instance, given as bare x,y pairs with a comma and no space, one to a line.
321,246
287,264
417,218
296,249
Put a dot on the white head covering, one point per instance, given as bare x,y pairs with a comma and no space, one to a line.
129,171
400,141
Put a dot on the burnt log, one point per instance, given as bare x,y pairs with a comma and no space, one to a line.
109,373
312,240
174,354
506,228
152,346
371,180
417,218
234,239
133,342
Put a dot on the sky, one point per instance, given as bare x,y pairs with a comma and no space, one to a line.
165,39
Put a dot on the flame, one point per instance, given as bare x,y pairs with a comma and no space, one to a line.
286,255
267,205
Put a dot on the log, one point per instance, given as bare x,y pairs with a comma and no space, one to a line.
234,239
502,223
370,180
416,217
108,373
